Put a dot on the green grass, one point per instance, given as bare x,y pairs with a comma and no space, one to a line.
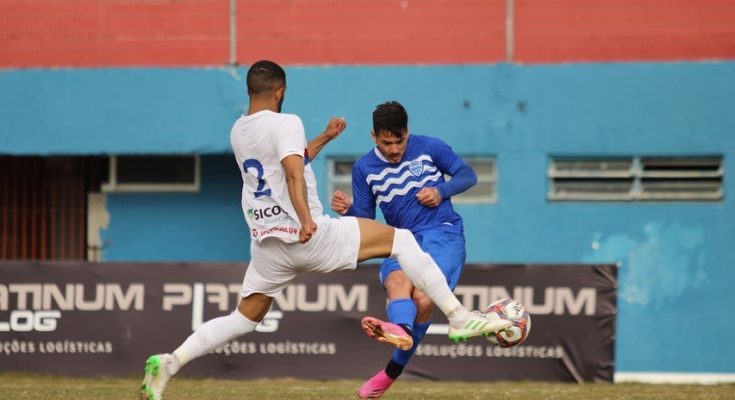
25,386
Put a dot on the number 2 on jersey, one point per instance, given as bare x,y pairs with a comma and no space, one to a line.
258,167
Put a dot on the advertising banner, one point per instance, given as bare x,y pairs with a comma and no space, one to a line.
104,319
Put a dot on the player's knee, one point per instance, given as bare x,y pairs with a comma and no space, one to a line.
402,240
414,261
423,316
397,284
255,306
424,305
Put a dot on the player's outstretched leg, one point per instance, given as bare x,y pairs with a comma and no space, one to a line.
426,276
387,332
478,324
422,270
157,375
160,368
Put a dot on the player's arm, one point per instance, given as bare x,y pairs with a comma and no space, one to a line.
342,204
363,199
463,178
290,144
293,167
363,204
448,162
331,132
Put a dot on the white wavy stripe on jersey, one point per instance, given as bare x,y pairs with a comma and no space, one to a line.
398,179
405,189
377,177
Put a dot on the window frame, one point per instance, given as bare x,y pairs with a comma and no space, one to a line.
637,174
333,179
113,186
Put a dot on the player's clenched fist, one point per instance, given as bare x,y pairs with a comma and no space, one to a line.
429,196
307,230
341,202
335,126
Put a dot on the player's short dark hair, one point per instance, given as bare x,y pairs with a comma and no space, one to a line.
390,117
263,76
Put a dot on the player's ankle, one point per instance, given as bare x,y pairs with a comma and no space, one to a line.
173,367
393,369
458,316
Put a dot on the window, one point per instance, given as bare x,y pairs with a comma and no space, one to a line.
486,189
153,174
340,175
636,179
340,178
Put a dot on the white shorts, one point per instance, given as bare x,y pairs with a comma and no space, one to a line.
275,263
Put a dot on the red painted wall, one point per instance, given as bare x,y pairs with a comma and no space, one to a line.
113,32
623,30
77,33
372,31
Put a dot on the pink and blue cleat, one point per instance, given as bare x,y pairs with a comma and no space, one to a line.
374,387
387,332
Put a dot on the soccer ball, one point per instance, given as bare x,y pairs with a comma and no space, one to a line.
515,312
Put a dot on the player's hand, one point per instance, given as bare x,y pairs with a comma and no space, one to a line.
429,196
335,126
307,230
341,202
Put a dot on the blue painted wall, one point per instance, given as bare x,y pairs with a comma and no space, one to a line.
676,258
117,111
203,226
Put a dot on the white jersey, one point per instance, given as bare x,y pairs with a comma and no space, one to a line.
260,141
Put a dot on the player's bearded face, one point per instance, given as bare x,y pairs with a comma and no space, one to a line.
390,146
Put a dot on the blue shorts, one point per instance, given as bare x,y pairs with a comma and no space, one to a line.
446,247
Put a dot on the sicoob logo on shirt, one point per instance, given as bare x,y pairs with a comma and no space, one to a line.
268,213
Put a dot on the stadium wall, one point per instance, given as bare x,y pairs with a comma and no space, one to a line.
207,225
674,257
83,33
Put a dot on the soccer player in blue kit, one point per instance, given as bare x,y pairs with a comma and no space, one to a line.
404,176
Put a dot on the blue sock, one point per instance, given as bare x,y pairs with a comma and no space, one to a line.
402,312
419,331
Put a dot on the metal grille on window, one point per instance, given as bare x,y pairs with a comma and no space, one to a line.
636,179
43,206
681,178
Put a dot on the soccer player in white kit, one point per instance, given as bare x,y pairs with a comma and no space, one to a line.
291,234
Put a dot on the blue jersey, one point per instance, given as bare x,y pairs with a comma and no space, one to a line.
393,187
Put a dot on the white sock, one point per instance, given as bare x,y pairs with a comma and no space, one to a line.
211,335
422,270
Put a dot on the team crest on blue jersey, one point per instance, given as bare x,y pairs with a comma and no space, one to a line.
416,168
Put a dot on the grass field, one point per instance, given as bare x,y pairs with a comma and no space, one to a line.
24,386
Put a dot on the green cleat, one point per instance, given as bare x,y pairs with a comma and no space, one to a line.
156,377
478,325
